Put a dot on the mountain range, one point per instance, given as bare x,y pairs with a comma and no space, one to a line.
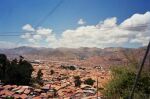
85,56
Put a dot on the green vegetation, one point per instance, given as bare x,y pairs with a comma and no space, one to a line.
39,79
89,81
72,68
68,67
52,72
122,82
9,97
77,81
55,92
15,72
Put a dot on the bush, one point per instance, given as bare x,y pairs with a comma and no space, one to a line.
89,81
68,67
77,81
9,97
122,82
52,72
39,77
72,68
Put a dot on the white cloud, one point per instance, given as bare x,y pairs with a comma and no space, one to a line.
37,37
107,33
137,22
26,36
81,22
28,27
108,23
31,40
44,31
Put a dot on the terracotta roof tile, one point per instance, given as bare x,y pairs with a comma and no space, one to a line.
27,91
37,97
16,96
23,96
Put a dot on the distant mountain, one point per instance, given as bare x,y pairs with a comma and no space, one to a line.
85,56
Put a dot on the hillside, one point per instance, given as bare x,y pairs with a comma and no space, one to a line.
82,56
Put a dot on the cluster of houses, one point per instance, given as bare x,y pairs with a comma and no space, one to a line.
47,92
60,84
26,92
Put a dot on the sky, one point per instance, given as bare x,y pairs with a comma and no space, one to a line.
74,23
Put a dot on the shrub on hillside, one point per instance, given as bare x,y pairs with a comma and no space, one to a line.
89,81
122,82
77,81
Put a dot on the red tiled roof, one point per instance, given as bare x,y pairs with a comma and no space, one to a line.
9,93
16,96
2,92
37,97
23,96
6,92
43,95
7,86
27,91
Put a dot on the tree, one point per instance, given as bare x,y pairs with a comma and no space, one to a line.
77,81
52,72
55,92
89,81
72,68
21,58
15,72
25,71
122,82
3,65
12,72
39,77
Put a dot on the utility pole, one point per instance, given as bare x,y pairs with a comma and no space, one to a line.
149,63
97,87
139,71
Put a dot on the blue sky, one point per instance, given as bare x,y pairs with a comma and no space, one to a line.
14,14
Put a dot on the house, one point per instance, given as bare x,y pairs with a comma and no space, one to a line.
21,90
47,87
6,93
16,96
17,88
43,95
23,96
27,91
77,95
89,92
83,86
8,87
